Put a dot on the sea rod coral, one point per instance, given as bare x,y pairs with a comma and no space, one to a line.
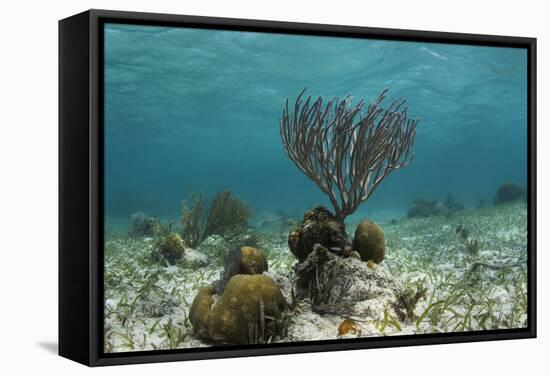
345,151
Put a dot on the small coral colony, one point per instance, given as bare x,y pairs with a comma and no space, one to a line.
215,280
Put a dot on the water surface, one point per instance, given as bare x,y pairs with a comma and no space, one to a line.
189,110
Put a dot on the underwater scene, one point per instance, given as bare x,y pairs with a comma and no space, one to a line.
272,188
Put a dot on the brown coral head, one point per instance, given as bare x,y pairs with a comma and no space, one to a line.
320,213
253,261
247,312
369,241
200,311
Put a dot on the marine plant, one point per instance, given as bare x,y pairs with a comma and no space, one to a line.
323,299
388,321
226,216
407,300
472,247
347,153
173,334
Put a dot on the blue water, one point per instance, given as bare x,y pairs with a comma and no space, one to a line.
190,110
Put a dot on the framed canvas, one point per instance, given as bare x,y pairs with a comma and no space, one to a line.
235,187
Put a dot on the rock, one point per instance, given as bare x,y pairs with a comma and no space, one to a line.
508,192
214,241
214,246
369,241
319,226
307,325
195,258
285,283
241,260
247,312
336,285
355,254
423,208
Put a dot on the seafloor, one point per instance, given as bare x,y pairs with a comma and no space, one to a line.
147,304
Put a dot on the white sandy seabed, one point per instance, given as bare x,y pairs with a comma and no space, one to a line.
147,304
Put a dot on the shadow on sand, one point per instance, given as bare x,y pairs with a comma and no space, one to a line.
50,347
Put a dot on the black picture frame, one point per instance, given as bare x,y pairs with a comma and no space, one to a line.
81,182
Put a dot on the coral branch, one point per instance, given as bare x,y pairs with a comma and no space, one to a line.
345,152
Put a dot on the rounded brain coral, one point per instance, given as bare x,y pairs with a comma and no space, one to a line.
253,261
369,241
236,317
